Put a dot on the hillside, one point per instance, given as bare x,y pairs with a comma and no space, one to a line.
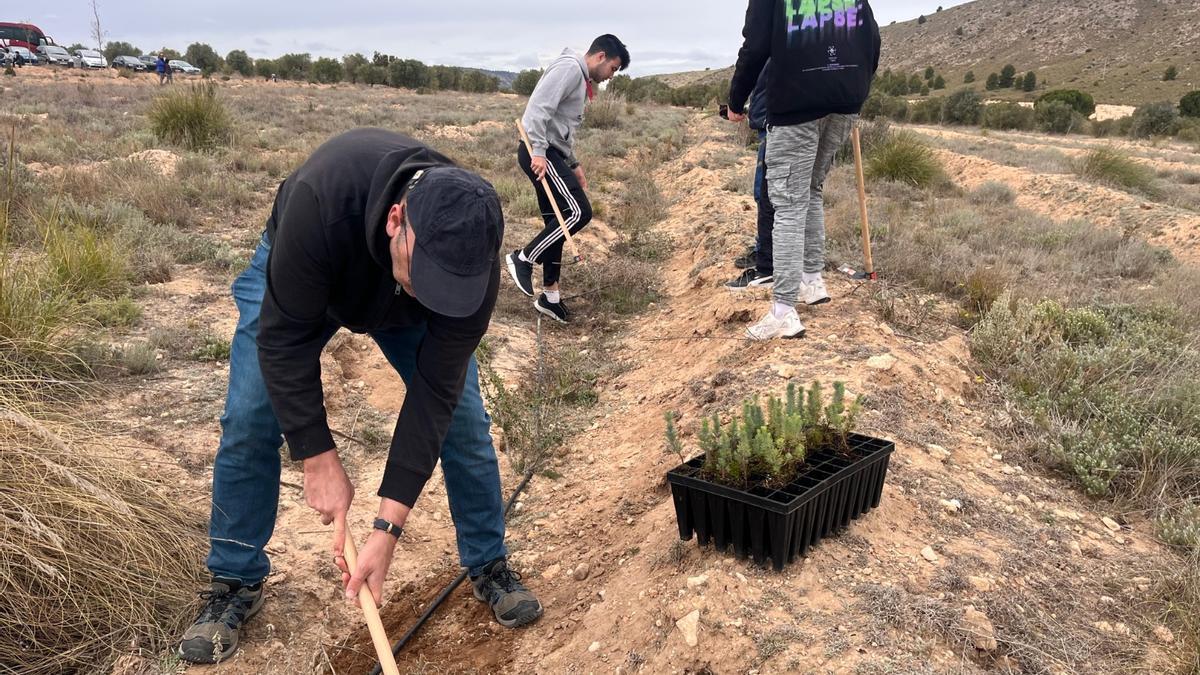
1117,50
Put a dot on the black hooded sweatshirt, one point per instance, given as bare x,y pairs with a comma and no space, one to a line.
823,55
330,267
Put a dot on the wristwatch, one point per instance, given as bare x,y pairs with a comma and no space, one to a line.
389,527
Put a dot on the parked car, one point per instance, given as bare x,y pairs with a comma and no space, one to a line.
183,67
88,58
128,62
29,58
54,55
149,61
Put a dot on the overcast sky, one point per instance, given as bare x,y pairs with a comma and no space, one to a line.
662,35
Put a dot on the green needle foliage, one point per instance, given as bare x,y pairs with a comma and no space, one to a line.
769,444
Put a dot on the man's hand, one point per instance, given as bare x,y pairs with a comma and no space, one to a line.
582,178
736,117
538,164
374,559
328,490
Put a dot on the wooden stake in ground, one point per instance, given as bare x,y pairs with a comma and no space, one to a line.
562,223
869,273
383,648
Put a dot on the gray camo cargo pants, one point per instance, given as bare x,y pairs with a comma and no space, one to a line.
799,157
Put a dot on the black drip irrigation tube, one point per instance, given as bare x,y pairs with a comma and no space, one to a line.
399,646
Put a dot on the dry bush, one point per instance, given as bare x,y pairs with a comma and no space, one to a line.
96,558
604,112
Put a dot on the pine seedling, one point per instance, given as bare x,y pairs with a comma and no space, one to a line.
833,411
673,445
775,416
792,406
814,404
767,453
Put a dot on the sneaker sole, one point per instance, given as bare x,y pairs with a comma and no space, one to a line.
231,649
512,272
510,623
548,313
822,301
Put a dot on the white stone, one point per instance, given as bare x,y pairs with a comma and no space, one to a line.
696,582
882,362
689,626
951,505
939,453
929,554
594,647
1111,524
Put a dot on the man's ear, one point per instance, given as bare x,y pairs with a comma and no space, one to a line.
395,218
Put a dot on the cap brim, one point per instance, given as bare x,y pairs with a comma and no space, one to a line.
446,293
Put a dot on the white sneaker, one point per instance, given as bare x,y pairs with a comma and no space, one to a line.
770,327
814,293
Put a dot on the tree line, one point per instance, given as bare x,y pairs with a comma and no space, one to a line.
381,69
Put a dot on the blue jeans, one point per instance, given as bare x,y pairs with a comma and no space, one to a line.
247,467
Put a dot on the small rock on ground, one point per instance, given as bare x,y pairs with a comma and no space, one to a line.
689,626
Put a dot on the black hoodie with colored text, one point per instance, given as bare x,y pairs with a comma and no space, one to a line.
823,55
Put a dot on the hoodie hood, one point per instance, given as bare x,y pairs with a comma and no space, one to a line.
388,184
579,58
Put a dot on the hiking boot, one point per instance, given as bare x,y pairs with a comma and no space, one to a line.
751,279
769,327
214,636
814,293
521,272
555,310
501,588
747,260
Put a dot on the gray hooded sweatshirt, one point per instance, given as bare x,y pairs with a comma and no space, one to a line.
555,108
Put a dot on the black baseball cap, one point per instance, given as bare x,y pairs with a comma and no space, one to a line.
458,224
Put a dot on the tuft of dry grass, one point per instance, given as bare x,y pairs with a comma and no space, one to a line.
1112,167
96,558
193,117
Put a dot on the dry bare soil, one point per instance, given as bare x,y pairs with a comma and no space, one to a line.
1061,590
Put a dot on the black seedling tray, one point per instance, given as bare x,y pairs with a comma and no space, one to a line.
779,524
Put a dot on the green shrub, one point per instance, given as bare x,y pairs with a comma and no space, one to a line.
1111,166
526,81
1153,119
1057,117
1081,102
1112,127
1110,392
1188,129
1007,115
928,111
213,349
1189,105
905,159
879,105
962,107
193,117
